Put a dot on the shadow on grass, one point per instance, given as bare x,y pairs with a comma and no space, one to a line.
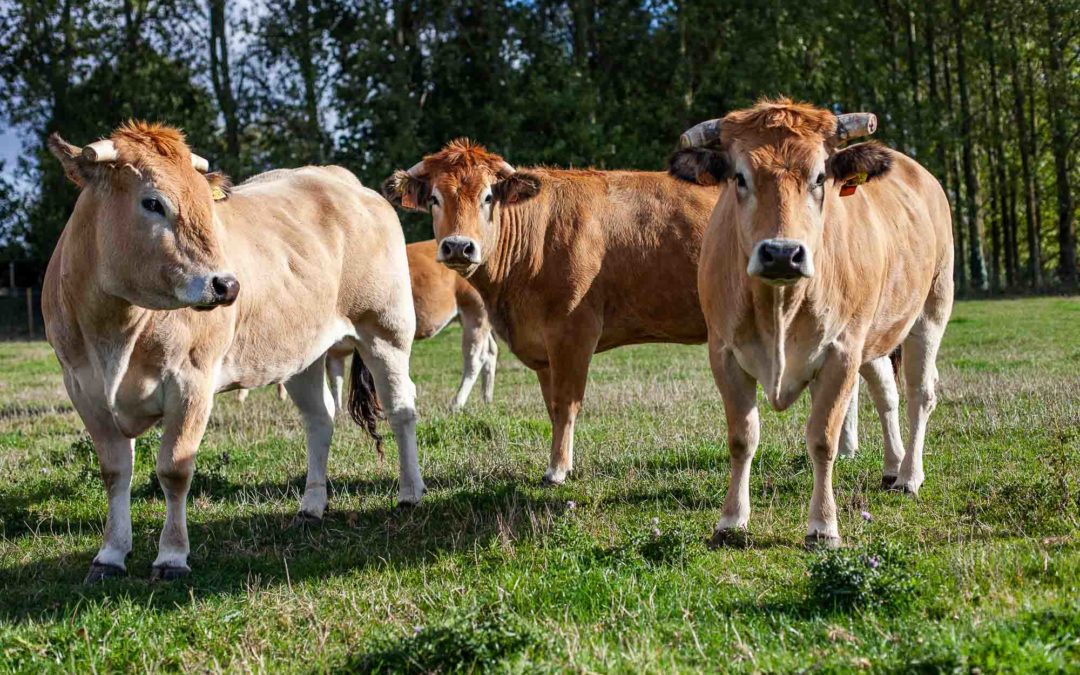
234,554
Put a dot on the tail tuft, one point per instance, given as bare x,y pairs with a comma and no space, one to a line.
896,358
364,406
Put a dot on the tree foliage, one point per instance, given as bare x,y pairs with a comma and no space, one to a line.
985,94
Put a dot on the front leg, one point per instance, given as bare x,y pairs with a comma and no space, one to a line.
116,455
739,392
570,348
187,410
830,394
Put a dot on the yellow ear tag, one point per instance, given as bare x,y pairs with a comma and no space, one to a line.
217,193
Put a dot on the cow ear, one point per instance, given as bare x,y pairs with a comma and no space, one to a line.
220,186
700,165
77,169
407,191
519,186
865,161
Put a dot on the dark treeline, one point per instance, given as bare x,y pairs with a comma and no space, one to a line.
984,93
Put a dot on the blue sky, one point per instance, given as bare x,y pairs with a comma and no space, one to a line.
10,147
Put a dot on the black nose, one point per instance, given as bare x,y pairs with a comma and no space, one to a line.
459,250
225,288
782,260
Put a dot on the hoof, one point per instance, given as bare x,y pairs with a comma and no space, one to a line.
100,572
303,519
168,573
821,542
730,537
406,505
550,480
887,482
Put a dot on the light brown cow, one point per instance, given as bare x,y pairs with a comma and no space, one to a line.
568,262
157,296
439,296
807,274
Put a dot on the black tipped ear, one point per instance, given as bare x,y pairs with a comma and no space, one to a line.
70,156
871,159
517,187
406,191
220,186
699,165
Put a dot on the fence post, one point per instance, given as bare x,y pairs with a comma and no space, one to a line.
30,311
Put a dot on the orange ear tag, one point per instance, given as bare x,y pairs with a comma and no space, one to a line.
852,184
217,193
407,200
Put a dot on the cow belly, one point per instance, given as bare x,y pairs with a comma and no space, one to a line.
264,358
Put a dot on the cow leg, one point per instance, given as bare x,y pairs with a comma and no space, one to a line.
473,352
882,383
311,394
242,395
920,378
830,394
569,353
282,393
335,374
186,414
388,361
491,360
849,432
739,393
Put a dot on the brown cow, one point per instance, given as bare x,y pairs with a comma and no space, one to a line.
161,293
807,274
569,262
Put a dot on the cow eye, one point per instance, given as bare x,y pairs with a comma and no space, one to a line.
153,205
488,199
433,201
820,180
741,180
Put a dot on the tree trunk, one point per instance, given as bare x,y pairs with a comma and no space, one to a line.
305,53
1057,105
1027,159
976,262
997,161
221,78
952,172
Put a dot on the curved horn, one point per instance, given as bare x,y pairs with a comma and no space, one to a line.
701,134
100,151
417,170
199,163
506,169
855,125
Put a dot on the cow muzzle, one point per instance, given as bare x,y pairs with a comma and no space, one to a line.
780,262
460,254
219,289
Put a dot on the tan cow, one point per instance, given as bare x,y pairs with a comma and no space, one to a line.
568,262
439,296
157,296
807,274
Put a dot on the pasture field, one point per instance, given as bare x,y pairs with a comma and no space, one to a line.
607,573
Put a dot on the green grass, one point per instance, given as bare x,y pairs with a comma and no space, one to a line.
493,571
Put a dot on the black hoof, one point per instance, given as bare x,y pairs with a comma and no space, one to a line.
887,482
168,573
821,542
100,572
732,537
302,519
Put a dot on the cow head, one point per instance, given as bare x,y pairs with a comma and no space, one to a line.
151,209
783,158
464,187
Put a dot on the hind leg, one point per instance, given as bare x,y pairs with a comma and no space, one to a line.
311,395
849,432
882,383
473,353
335,375
921,376
387,357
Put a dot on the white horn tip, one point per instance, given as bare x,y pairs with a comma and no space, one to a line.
100,151
200,164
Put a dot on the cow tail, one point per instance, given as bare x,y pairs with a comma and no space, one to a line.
896,358
364,406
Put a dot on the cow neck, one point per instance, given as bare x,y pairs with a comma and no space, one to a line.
776,310
109,325
511,254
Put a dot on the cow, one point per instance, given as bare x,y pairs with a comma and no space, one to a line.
818,260
439,296
167,286
569,262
